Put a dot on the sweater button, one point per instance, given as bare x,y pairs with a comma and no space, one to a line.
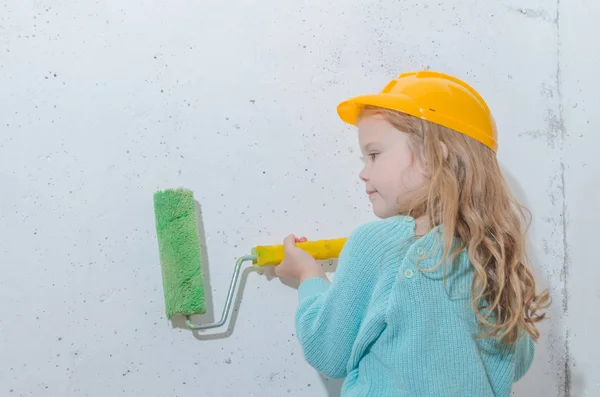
408,273
420,251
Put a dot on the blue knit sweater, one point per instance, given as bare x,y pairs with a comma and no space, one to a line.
393,330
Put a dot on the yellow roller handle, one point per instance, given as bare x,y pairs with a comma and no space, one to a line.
320,250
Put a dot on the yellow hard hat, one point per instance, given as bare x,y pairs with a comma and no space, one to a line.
435,97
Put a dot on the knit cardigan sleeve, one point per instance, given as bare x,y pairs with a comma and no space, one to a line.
524,354
329,315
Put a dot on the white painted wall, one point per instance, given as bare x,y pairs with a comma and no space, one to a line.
104,102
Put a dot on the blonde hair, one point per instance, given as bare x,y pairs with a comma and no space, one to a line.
467,195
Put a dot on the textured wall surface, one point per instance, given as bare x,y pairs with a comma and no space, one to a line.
104,102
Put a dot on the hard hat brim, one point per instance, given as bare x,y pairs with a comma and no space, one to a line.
349,110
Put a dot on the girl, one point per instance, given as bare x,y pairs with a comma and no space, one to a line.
436,298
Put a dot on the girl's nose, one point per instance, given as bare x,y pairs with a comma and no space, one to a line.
363,175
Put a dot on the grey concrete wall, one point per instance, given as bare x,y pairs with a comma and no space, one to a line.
580,151
104,102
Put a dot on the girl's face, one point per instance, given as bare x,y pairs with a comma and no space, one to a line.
391,171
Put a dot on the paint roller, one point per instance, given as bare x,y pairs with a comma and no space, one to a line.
181,259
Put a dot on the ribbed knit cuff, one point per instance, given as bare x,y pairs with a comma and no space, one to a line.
312,286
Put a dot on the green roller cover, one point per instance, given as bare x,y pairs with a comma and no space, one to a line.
179,248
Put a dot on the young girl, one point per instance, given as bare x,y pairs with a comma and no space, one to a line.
436,298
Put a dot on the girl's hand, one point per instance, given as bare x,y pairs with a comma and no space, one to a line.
298,263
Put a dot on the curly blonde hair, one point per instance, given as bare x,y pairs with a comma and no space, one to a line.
467,195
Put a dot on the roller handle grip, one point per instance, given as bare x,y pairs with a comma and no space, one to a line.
320,250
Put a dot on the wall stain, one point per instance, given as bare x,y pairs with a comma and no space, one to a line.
564,213
547,91
532,13
552,133
565,281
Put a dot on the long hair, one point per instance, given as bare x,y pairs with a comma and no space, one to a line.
468,197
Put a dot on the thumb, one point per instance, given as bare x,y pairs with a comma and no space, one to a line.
289,242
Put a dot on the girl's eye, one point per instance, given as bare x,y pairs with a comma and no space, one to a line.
371,156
